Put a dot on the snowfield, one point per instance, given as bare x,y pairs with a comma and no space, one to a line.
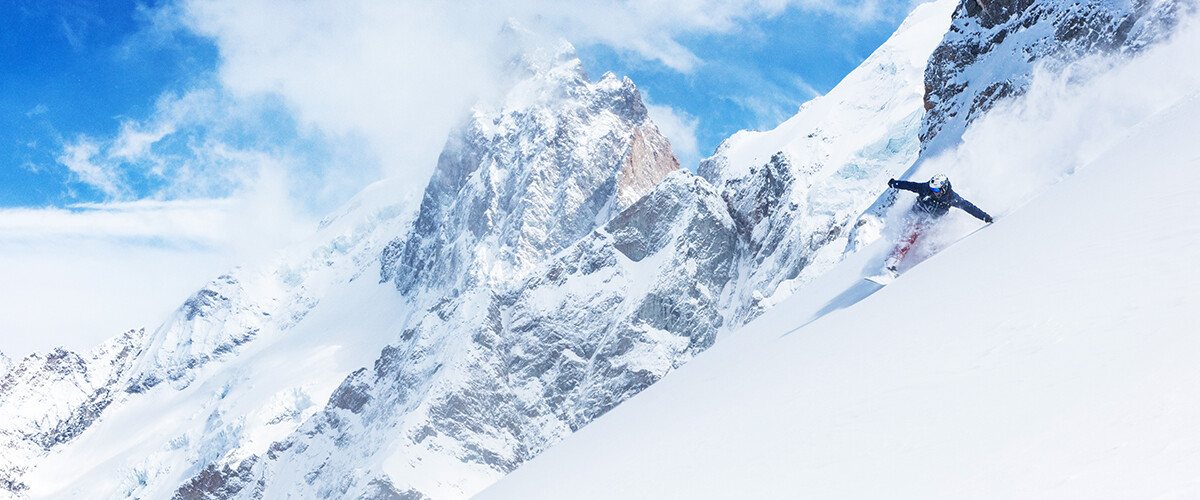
1050,355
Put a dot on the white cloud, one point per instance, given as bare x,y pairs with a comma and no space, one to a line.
79,275
180,223
680,128
79,156
205,183
399,73
803,85
74,277
76,296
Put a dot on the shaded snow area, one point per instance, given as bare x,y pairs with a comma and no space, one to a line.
1050,355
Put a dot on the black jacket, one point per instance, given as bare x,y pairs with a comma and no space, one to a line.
936,205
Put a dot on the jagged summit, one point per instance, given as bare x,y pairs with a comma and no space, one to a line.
528,175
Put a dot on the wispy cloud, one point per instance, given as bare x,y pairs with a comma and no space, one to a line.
680,128
75,276
79,158
197,223
805,87
204,183
399,73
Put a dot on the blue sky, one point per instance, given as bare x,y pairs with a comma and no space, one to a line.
79,68
76,67
147,146
753,77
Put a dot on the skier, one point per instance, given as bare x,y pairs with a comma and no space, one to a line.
934,199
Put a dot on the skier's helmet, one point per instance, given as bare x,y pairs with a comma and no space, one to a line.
939,183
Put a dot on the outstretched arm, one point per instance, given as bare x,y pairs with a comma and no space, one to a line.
906,185
970,208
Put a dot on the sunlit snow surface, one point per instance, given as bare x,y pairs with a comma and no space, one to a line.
1051,355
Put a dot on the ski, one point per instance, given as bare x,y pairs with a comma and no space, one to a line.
883,279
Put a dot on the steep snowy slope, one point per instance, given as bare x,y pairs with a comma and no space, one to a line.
797,192
1051,355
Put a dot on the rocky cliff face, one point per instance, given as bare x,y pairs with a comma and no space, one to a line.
523,180
654,274
535,314
992,47
491,377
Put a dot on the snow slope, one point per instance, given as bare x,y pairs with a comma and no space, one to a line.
1051,355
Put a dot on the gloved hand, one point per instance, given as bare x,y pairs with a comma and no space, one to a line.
987,219
891,183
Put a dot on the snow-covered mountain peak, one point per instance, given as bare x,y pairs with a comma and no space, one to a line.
529,175
530,68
